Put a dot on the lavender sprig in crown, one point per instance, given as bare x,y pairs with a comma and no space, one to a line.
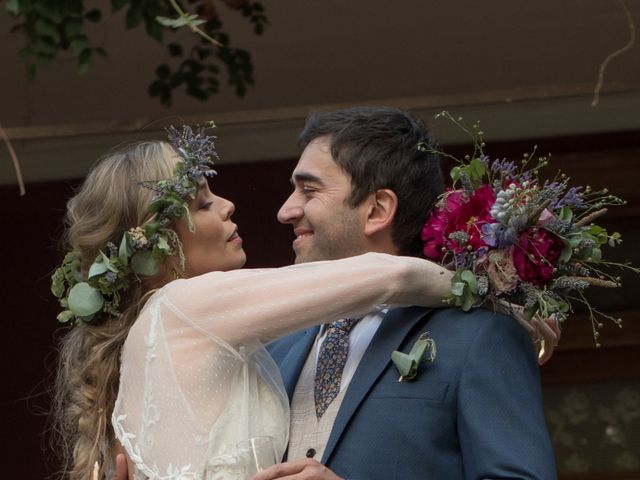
517,240
143,248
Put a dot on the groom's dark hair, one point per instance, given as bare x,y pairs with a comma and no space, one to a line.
378,148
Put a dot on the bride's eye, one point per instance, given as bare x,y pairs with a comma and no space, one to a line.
206,206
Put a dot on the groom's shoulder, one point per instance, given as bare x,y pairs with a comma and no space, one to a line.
457,324
280,347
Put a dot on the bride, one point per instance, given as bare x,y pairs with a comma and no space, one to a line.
165,356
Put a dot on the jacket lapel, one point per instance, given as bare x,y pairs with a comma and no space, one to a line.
395,326
291,365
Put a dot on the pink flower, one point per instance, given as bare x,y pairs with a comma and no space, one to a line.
536,255
457,212
501,271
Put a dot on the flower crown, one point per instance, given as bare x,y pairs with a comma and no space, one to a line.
143,248
513,239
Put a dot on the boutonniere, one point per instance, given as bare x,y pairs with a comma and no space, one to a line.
424,350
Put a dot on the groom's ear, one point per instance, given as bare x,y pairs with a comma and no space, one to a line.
381,210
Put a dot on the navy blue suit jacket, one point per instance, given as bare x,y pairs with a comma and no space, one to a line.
474,413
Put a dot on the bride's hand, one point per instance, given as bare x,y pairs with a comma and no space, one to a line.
545,333
547,336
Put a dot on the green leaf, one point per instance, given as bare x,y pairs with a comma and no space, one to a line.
97,268
65,316
144,263
565,214
73,27
57,283
470,279
566,253
171,22
530,312
13,7
406,365
596,254
79,44
45,27
84,60
163,246
84,300
467,302
125,250
94,15
457,289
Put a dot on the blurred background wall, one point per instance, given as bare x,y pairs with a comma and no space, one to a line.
526,70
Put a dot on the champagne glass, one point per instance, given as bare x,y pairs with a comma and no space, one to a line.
256,454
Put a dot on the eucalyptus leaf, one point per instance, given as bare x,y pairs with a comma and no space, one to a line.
470,279
145,263
97,268
467,302
567,252
405,364
566,214
125,250
457,289
84,300
162,245
65,316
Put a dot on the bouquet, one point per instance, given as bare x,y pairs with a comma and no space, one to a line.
511,238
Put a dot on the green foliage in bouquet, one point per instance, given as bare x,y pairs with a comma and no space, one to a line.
512,238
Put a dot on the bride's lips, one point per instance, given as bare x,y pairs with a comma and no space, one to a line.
234,237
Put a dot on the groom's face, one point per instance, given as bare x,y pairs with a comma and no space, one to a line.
325,225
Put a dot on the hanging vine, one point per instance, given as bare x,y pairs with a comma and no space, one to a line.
53,26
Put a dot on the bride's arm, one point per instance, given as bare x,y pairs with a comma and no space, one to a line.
268,303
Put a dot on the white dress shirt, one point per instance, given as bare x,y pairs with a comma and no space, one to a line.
359,339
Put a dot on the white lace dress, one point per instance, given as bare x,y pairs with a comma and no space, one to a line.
195,379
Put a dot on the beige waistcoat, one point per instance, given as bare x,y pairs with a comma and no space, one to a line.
307,432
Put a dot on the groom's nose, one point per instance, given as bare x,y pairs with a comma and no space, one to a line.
290,211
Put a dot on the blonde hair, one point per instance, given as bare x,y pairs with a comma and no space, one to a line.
109,202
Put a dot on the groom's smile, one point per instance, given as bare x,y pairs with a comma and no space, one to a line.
325,225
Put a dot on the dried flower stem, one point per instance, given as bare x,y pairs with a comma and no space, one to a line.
591,217
599,282
611,56
14,158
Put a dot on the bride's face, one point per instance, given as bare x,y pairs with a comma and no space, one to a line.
215,244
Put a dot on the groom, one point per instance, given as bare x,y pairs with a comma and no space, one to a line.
474,413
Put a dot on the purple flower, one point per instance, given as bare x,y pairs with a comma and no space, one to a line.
573,198
504,167
497,235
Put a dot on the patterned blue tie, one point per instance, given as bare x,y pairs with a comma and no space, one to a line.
331,361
